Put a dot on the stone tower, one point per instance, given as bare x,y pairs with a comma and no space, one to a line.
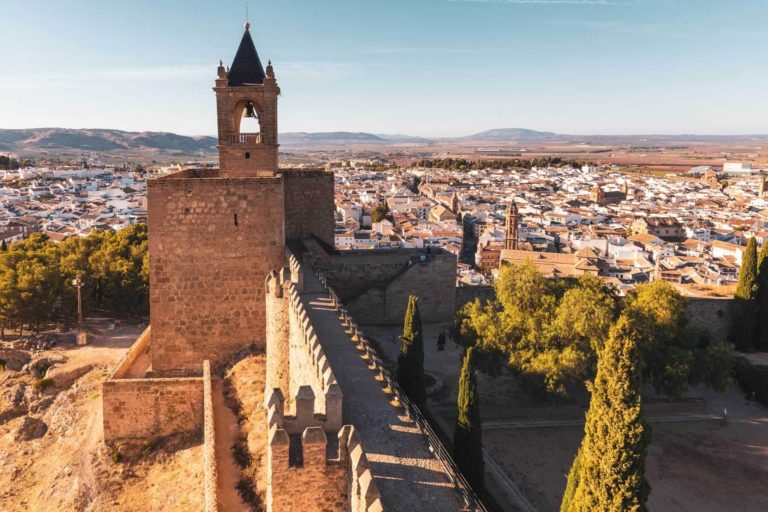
511,239
763,186
243,91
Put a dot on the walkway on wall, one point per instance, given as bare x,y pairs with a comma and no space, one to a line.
407,475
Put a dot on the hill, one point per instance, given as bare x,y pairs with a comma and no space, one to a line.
512,134
62,142
305,138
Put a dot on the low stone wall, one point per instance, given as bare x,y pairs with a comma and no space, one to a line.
210,472
141,346
152,408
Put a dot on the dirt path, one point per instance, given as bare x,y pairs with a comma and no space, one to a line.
226,437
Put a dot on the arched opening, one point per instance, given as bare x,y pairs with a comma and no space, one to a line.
247,124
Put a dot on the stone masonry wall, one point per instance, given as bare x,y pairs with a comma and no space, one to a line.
309,205
211,243
710,315
296,362
152,408
375,284
210,472
313,481
140,346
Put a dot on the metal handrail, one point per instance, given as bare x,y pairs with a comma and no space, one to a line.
471,500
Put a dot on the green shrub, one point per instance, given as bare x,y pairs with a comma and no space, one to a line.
42,384
752,379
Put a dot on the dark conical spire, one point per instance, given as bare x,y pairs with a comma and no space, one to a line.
246,68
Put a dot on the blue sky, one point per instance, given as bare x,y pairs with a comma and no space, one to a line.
421,67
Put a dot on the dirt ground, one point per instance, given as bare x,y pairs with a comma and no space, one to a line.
60,462
696,461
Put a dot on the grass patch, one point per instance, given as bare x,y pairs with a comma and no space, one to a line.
42,384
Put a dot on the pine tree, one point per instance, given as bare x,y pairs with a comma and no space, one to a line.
743,322
761,301
410,362
4,247
467,438
611,461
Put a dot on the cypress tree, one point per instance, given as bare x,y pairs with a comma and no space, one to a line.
467,438
410,362
743,322
761,301
611,460
4,246
573,483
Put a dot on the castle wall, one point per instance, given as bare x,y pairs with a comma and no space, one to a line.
710,315
151,408
141,346
376,283
211,243
309,205
296,363
210,472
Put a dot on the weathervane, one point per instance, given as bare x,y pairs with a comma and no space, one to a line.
247,23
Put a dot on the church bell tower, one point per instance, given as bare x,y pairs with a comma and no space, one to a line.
247,95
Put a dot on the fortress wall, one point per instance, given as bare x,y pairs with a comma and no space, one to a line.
210,473
309,205
296,363
375,284
312,481
467,294
140,346
151,408
710,315
211,242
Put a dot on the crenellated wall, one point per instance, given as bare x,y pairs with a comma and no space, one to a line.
303,476
296,362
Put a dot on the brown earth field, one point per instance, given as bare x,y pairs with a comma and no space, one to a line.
52,456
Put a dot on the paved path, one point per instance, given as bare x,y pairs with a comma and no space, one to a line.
407,475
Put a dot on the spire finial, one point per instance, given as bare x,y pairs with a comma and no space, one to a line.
247,23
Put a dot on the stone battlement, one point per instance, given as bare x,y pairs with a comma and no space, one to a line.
296,361
303,476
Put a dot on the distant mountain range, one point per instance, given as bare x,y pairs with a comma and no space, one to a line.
70,142
117,144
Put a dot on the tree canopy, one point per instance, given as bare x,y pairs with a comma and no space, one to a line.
550,331
467,437
743,307
36,276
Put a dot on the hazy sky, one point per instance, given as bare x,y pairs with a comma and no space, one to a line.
422,67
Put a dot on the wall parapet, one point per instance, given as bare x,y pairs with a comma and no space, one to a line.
141,346
302,474
314,395
209,444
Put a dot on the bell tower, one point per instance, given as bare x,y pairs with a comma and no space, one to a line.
246,94
511,238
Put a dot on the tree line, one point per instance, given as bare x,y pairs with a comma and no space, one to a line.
8,163
36,277
462,164
749,309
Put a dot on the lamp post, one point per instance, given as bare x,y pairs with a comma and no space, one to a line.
77,282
